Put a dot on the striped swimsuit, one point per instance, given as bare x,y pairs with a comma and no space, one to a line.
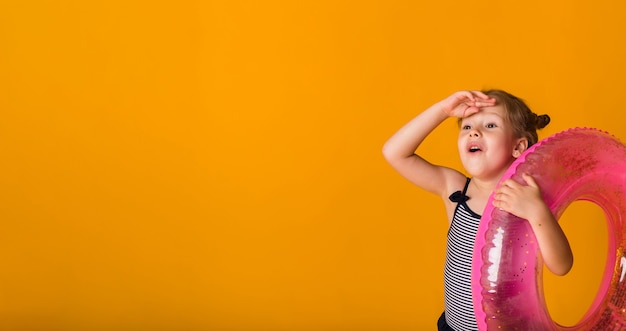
459,312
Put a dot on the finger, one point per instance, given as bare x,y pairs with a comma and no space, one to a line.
471,110
478,102
485,103
480,94
462,95
502,190
500,197
500,205
529,180
496,203
509,183
504,197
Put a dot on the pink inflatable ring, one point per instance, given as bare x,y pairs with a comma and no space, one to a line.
577,164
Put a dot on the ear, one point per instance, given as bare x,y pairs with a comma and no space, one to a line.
520,146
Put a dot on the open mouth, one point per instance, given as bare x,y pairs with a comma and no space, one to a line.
474,149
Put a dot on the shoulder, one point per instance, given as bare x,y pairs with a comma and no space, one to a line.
454,181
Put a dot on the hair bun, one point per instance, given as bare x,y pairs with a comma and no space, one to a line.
542,121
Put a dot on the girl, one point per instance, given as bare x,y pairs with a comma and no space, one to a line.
495,128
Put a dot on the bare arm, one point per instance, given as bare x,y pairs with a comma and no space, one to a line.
400,149
526,202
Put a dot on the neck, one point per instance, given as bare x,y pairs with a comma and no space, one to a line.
488,182
485,186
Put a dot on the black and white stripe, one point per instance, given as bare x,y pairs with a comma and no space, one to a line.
458,269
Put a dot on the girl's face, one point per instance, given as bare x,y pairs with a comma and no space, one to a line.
486,143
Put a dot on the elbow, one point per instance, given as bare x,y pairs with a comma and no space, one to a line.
568,266
394,153
395,156
387,153
563,267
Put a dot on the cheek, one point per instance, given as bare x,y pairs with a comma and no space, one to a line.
460,146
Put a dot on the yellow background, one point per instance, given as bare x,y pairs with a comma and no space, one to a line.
216,165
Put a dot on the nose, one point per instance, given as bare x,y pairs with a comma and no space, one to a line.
474,133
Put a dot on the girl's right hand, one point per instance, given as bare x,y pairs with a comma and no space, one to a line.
465,103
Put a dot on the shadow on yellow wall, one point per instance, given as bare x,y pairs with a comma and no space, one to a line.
216,165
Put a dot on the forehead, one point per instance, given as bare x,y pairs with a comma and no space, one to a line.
497,111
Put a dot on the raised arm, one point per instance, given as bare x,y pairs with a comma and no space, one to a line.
400,149
525,201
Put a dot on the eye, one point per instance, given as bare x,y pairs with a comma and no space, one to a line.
466,127
491,125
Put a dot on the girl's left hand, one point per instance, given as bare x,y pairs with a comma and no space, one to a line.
523,201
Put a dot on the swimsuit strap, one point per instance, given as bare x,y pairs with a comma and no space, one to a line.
459,196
